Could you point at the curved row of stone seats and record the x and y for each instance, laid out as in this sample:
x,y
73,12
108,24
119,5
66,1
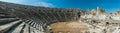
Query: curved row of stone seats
x,y
14,25
31,19
47,16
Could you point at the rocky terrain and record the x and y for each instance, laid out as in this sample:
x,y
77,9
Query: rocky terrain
x,y
101,22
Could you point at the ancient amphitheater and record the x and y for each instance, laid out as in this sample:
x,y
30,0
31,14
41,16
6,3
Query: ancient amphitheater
x,y
15,18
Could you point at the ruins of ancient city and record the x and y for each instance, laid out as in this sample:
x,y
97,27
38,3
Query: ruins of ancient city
x,y
15,18
98,21
93,21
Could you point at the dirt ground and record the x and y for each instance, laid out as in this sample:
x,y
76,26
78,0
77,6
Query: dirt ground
x,y
69,27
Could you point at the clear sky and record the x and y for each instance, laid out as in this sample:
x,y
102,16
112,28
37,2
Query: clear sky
x,y
108,5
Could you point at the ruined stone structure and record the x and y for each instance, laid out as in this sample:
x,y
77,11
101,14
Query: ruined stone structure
x,y
15,18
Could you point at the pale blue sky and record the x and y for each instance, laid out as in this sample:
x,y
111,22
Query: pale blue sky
x,y
108,5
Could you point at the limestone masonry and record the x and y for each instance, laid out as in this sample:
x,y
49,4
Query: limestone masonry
x,y
16,18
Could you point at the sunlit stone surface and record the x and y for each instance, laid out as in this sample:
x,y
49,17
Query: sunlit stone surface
x,y
15,18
